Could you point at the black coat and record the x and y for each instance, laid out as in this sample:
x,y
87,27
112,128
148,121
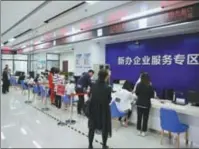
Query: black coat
x,y
5,77
99,109
84,81
144,93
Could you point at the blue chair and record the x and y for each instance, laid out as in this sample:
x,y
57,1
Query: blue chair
x,y
171,123
23,86
66,99
43,92
35,91
115,113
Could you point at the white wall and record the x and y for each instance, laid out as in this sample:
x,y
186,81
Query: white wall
x,y
95,48
68,56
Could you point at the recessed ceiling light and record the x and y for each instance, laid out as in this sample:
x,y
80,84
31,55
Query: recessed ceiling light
x,y
23,46
12,39
92,2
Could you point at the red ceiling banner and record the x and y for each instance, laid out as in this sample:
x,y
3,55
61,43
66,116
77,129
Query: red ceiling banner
x,y
169,3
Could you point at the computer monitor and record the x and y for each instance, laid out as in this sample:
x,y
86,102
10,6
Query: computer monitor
x,y
193,97
168,94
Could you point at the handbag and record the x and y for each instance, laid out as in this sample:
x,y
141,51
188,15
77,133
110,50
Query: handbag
x,y
87,108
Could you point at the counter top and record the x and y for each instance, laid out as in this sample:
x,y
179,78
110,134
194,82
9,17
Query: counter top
x,y
184,109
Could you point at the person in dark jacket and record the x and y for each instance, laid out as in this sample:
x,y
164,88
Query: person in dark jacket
x,y
5,80
144,92
99,109
21,78
82,84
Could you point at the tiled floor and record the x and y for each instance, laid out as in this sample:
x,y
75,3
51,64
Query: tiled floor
x,y
26,126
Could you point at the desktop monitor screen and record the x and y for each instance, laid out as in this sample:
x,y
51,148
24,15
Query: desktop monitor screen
x,y
193,97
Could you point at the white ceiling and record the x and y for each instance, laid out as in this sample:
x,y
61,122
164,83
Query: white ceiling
x,y
177,29
87,16
36,20
13,11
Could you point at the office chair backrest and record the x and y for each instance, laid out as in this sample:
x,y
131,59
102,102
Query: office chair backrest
x,y
169,119
115,113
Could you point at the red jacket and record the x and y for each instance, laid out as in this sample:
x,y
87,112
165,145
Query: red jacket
x,y
50,81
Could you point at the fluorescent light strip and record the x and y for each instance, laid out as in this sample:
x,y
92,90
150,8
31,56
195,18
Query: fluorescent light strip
x,y
2,136
141,14
23,131
92,2
36,144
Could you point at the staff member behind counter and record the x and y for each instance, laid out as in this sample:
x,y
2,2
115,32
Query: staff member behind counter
x,y
82,85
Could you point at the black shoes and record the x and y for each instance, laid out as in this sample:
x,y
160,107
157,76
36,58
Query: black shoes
x,y
90,147
105,147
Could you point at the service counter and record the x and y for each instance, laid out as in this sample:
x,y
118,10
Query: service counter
x,y
187,114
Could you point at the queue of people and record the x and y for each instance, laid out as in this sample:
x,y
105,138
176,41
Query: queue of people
x,y
97,107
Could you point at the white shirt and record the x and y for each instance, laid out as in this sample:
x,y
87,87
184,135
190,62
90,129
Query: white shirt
x,y
126,99
138,81
30,81
70,88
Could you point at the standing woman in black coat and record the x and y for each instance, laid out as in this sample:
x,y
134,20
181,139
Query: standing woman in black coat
x,y
5,81
99,109
144,92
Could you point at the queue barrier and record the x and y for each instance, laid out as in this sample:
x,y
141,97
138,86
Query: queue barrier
x,y
71,121
43,88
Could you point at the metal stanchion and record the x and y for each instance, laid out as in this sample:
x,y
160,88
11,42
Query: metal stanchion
x,y
70,120
28,101
45,99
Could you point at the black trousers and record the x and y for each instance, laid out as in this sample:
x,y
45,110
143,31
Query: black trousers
x,y
91,134
129,112
58,101
5,87
142,118
80,104
8,86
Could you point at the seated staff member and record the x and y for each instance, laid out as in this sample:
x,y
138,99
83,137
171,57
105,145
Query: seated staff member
x,y
124,100
57,79
144,92
82,84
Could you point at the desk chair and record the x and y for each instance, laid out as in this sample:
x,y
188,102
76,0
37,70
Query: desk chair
x,y
35,91
23,86
171,123
115,113
43,92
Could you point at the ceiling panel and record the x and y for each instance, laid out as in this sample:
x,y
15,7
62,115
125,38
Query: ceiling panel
x,y
13,11
175,29
38,18
74,16
105,18
183,28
